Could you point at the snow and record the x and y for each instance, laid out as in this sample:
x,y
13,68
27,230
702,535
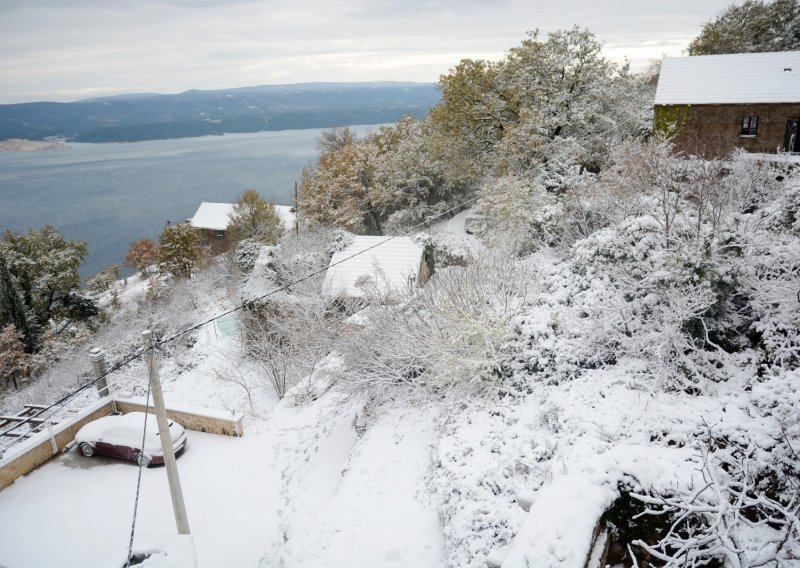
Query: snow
x,y
730,79
214,216
177,407
385,262
559,527
163,551
454,228
380,513
287,215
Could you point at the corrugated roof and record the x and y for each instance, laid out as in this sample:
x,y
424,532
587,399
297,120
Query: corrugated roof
x,y
215,216
390,264
730,79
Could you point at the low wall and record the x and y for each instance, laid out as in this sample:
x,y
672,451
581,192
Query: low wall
x,y
42,451
192,418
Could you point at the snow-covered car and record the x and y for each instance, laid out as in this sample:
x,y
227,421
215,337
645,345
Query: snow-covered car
x,y
120,436
472,221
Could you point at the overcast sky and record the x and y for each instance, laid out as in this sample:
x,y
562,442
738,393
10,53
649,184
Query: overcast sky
x,y
62,50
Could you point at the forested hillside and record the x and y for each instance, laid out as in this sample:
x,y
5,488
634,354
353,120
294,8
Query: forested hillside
x,y
130,118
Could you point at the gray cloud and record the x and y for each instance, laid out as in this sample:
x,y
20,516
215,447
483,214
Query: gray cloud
x,y
56,50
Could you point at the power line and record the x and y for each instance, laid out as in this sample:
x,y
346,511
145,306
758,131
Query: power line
x,y
250,303
66,398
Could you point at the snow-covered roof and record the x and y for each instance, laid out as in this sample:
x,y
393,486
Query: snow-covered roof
x,y
385,261
214,216
730,79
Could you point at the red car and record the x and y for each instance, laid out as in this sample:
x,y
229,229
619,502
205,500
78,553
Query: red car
x,y
120,436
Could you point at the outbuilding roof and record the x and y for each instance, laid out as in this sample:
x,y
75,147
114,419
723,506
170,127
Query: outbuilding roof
x,y
215,216
739,78
388,262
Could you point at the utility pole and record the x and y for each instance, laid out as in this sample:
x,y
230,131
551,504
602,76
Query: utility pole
x,y
181,520
296,212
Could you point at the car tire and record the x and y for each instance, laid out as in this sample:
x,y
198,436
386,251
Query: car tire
x,y
143,460
87,449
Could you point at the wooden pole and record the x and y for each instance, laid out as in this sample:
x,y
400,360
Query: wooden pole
x,y
178,506
296,212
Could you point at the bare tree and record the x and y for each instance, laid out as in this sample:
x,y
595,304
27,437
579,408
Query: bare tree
x,y
335,138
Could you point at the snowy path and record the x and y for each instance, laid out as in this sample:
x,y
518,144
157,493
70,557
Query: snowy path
x,y
369,508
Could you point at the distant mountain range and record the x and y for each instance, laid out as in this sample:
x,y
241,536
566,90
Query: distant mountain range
x,y
145,116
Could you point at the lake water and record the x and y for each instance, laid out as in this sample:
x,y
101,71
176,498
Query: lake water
x,y
112,194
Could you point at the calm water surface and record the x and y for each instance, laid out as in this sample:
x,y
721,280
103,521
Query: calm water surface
x,y
112,194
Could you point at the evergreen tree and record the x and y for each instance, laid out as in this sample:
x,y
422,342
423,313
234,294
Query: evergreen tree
x,y
13,310
13,359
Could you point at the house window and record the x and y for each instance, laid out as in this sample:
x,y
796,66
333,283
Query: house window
x,y
204,233
750,126
220,235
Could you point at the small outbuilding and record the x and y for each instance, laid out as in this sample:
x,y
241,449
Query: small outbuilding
x,y
380,264
713,104
211,222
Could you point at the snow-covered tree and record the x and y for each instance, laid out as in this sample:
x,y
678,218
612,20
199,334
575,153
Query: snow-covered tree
x,y
254,218
103,280
14,311
413,182
339,190
45,266
751,27
179,250
517,211
543,107
142,255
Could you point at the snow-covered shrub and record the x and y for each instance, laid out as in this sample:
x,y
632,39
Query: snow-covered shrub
x,y
246,253
774,294
289,336
448,249
488,455
517,211
456,332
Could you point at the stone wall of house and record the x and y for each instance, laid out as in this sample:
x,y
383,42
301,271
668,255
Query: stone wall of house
x,y
208,238
716,130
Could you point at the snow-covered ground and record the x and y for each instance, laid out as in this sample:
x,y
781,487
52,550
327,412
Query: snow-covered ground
x,y
301,488
422,485
446,480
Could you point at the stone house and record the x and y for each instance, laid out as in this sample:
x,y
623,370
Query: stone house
x,y
211,223
712,104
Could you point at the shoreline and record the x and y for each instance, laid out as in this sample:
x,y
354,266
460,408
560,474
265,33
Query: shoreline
x,y
24,145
